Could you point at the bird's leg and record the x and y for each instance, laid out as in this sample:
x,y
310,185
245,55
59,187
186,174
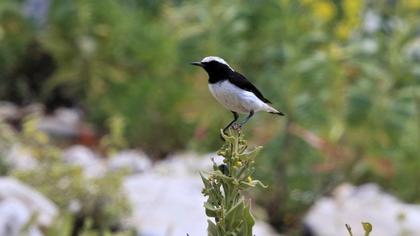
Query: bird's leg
x,y
251,113
235,118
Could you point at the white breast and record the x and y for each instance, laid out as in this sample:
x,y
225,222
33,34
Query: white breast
x,y
236,99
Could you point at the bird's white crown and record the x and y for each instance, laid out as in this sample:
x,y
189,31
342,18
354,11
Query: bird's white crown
x,y
214,58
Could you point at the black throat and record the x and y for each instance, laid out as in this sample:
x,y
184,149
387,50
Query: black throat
x,y
217,72
217,77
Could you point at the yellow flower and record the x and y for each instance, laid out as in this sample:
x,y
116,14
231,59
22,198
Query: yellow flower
x,y
353,9
324,10
352,12
249,179
412,4
30,126
343,31
41,137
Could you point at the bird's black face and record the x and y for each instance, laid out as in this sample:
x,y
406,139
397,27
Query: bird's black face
x,y
214,68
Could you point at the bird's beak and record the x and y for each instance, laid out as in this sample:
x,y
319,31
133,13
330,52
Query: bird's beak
x,y
197,63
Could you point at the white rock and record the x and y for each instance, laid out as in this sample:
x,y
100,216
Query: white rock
x,y
64,122
8,110
14,216
189,164
262,229
367,203
167,200
166,205
84,157
134,161
35,202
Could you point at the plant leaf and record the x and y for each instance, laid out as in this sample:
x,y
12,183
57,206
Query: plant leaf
x,y
367,227
212,229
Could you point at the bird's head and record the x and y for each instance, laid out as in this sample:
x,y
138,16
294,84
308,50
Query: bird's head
x,y
214,65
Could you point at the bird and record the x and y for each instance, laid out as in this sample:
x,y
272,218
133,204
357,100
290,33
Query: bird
x,y
234,91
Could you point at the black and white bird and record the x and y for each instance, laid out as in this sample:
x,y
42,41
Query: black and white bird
x,y
233,90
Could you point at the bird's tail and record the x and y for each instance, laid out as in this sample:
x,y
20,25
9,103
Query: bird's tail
x,y
272,110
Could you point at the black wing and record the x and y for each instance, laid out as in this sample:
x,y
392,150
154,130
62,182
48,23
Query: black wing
x,y
240,81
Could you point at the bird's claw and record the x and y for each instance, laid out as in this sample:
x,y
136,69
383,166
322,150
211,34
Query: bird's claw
x,y
237,126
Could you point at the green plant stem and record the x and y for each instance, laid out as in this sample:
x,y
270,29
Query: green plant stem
x,y
224,187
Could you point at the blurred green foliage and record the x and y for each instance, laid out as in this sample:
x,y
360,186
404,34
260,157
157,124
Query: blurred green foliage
x,y
7,137
64,223
115,139
96,204
345,72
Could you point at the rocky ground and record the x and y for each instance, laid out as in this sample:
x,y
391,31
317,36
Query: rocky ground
x,y
166,200
165,197
366,203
